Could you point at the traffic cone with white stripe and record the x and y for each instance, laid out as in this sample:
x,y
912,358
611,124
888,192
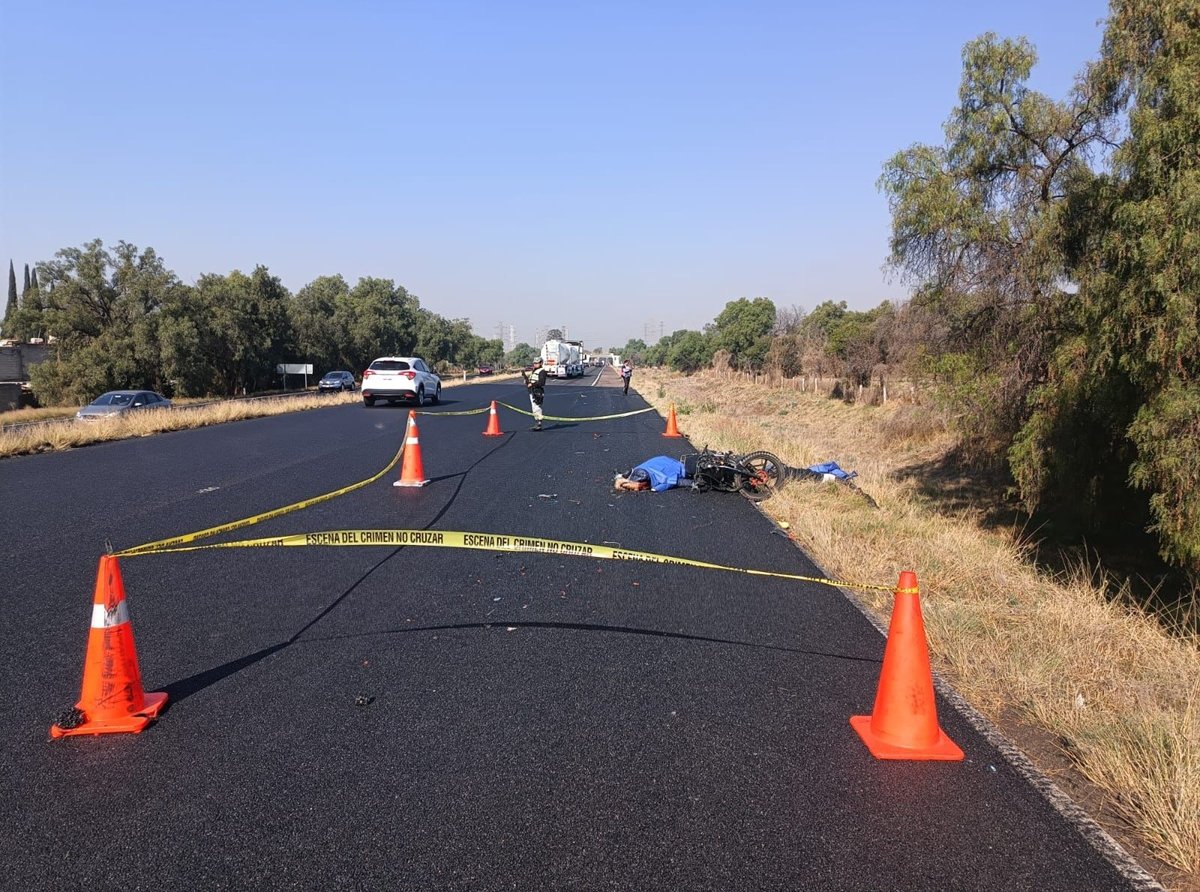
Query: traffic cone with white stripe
x,y
112,700
904,723
412,472
493,428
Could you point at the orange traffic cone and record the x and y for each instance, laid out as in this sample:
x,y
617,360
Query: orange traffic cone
x,y
672,430
493,428
412,472
904,722
112,699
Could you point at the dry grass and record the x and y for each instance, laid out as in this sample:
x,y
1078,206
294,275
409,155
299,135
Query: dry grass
x,y
69,433
1120,693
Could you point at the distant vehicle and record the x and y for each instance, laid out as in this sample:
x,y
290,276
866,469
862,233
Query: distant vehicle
x,y
399,379
562,359
485,370
121,402
338,381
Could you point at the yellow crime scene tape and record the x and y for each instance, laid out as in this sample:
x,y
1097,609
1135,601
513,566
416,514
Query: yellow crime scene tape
x,y
316,500
445,538
486,542
572,418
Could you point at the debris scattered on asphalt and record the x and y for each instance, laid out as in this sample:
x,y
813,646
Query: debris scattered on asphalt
x,y
363,700
547,495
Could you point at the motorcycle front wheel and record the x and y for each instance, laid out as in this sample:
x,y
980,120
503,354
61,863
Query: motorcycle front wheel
x,y
766,473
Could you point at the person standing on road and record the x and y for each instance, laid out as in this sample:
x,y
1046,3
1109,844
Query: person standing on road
x,y
626,374
535,383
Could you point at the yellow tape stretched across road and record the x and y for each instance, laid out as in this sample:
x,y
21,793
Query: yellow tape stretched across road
x,y
162,544
571,418
484,542
250,521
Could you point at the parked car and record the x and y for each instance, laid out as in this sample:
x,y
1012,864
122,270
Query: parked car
x,y
400,379
485,370
338,381
122,402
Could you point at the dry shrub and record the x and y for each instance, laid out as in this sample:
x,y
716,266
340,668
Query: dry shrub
x,y
912,422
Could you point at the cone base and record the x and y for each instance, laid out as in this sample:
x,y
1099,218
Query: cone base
x,y
672,435
941,750
410,483
493,433
126,724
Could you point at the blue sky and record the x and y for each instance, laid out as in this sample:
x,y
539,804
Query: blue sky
x,y
614,167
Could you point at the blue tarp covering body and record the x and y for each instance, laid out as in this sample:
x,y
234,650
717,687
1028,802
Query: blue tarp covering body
x,y
832,467
663,472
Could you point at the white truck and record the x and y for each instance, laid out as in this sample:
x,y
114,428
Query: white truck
x,y
563,359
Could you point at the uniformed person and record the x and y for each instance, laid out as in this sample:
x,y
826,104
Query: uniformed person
x,y
535,383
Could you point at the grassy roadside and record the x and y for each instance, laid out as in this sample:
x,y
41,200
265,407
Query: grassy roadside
x,y
1114,697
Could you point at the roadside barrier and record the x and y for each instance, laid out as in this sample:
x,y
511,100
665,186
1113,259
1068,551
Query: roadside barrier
x,y
904,724
111,700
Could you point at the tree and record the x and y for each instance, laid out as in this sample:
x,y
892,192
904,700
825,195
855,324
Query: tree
x,y
11,306
634,350
104,309
689,352
554,334
521,355
25,290
33,281
743,329
247,331
976,224
378,318
318,326
1126,379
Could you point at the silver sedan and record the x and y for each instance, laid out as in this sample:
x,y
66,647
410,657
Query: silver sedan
x,y
120,402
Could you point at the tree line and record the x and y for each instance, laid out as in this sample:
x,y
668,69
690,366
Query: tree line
x,y
120,318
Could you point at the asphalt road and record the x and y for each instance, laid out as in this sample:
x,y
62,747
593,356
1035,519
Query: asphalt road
x,y
530,721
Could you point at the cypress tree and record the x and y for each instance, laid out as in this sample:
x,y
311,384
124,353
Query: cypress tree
x,y
25,290
33,282
11,306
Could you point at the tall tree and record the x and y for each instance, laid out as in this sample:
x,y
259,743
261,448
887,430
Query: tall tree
x,y
243,328
103,309
975,225
11,306
1129,378
743,329
25,290
320,335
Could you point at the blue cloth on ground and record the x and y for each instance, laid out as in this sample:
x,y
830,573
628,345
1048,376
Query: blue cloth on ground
x,y
831,467
663,472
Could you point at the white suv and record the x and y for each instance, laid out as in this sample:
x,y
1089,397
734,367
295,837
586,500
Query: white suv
x,y
397,378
